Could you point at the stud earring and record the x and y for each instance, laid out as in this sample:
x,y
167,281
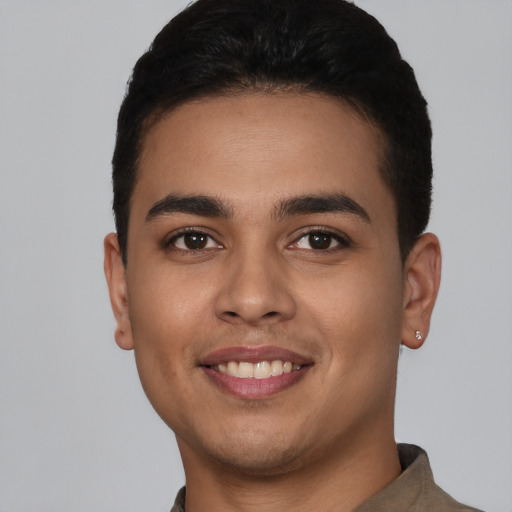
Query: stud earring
x,y
418,335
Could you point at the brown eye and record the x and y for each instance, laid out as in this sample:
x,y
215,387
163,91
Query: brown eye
x,y
320,241
194,241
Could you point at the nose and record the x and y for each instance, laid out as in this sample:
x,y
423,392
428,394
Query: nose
x,y
255,291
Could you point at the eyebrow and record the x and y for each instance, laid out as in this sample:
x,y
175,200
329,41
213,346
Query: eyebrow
x,y
323,203
203,206
206,206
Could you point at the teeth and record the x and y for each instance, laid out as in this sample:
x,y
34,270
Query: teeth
x,y
245,370
260,370
232,368
276,368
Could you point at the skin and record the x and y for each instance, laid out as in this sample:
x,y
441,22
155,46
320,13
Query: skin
x,y
326,442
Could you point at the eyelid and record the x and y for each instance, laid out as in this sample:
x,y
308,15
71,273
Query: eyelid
x,y
167,242
343,239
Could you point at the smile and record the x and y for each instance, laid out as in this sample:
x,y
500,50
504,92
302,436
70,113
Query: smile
x,y
259,370
255,373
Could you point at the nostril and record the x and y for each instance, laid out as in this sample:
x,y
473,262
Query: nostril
x,y
270,314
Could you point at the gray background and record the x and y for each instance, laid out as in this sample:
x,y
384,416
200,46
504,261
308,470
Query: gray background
x,y
76,431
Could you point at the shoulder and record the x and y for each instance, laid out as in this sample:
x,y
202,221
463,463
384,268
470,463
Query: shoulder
x,y
441,501
414,490
430,496
179,503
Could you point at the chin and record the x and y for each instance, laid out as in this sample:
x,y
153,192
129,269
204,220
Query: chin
x,y
257,453
270,462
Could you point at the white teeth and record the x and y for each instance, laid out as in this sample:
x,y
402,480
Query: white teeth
x,y
245,370
260,370
276,368
232,369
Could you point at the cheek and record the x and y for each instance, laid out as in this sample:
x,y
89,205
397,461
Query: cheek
x,y
165,326
167,303
166,316
359,320
359,312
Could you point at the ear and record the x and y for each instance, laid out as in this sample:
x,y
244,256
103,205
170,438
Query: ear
x,y
422,277
116,280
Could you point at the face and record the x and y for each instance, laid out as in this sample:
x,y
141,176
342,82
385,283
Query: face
x,y
264,293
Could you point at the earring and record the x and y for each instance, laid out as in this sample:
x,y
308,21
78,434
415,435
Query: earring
x,y
418,335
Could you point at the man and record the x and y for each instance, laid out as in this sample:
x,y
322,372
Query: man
x,y
272,180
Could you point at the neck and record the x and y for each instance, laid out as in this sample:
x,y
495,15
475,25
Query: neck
x,y
331,482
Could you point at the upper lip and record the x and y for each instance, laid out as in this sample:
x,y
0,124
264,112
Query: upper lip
x,y
253,355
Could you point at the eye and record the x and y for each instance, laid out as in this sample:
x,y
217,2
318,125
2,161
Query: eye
x,y
319,240
194,241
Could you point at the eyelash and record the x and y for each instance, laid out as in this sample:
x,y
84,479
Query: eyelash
x,y
170,243
342,240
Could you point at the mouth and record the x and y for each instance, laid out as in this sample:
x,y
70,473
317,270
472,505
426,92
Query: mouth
x,y
260,370
255,373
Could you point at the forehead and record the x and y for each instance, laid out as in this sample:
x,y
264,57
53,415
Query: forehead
x,y
254,149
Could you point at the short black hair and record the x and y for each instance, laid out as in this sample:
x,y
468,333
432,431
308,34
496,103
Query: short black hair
x,y
332,47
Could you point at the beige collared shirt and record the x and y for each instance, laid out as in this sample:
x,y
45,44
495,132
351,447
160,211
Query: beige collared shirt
x,y
413,491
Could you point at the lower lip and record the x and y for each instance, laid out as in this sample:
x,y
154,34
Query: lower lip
x,y
254,389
